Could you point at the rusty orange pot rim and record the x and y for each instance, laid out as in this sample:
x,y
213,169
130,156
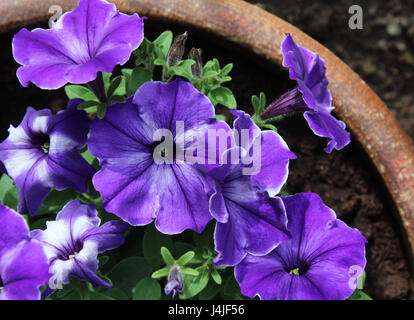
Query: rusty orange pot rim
x,y
368,118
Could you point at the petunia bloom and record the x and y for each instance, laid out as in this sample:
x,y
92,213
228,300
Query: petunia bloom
x,y
322,261
42,152
23,263
175,282
73,242
248,219
311,96
93,38
135,185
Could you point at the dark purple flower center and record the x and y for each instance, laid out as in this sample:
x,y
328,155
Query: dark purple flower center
x,y
42,142
67,253
164,152
298,270
1,284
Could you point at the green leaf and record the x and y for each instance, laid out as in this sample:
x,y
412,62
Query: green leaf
x,y
126,274
194,285
160,273
117,99
88,156
115,83
87,104
221,117
226,70
76,91
5,185
55,201
147,289
183,69
11,199
224,96
190,272
103,260
166,255
181,247
185,258
210,292
101,110
151,245
205,238
116,293
359,295
361,280
231,289
164,41
134,78
216,276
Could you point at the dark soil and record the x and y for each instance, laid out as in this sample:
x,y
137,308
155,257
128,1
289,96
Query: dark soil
x,y
345,180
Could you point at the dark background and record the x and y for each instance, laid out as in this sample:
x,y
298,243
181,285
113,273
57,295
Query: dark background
x,y
382,53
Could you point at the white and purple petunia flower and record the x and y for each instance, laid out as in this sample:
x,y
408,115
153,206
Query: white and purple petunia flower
x,y
42,152
248,219
23,263
312,95
72,243
133,184
322,261
93,38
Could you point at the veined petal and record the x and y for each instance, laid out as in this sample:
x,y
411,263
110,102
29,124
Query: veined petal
x,y
325,125
93,38
323,260
256,223
163,104
14,228
23,269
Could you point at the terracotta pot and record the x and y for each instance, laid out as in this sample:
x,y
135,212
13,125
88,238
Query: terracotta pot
x,y
369,119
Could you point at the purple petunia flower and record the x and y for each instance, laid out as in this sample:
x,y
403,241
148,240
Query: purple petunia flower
x,y
135,186
322,261
23,263
175,282
73,241
248,219
312,95
42,152
93,38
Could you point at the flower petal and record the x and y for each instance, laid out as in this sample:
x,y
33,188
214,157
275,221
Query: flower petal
x,y
92,38
164,104
23,270
325,125
109,236
13,228
256,223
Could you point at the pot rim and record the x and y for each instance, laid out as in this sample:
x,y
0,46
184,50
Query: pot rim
x,y
387,145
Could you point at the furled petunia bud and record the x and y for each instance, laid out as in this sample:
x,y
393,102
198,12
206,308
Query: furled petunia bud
x,y
197,67
177,49
175,282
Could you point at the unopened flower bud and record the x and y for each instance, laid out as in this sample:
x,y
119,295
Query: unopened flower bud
x,y
176,52
197,67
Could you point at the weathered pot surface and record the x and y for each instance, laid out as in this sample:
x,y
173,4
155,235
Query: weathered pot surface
x,y
369,119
